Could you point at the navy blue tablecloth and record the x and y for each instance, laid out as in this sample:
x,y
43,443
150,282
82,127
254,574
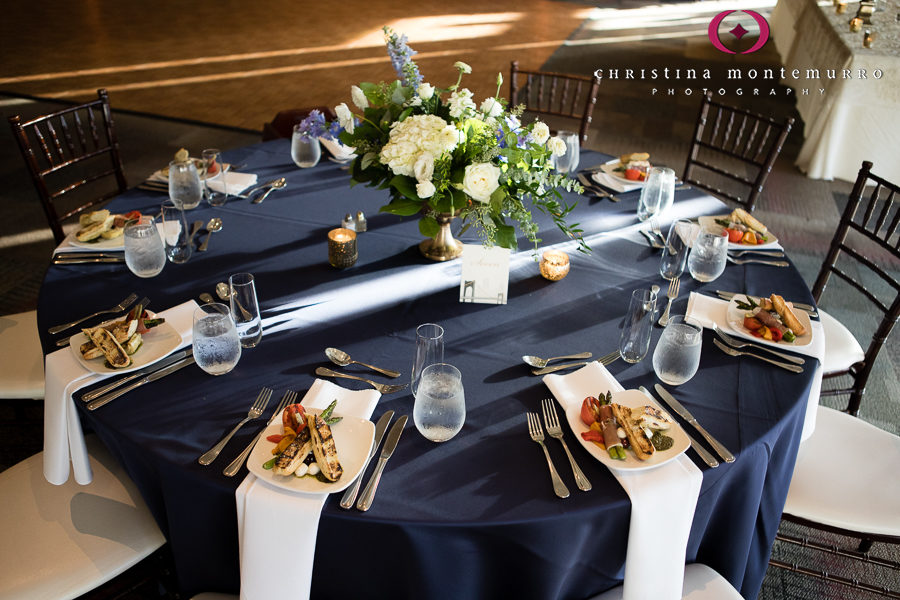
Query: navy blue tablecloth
x,y
474,517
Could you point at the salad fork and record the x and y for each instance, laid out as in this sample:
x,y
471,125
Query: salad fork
x,y
537,434
555,431
256,409
288,398
654,226
745,261
734,343
671,294
731,351
117,308
604,360
772,253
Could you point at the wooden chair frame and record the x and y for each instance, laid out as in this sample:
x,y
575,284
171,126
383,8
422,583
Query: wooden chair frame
x,y
556,94
66,138
736,134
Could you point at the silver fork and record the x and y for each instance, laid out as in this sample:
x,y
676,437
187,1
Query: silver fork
x,y
555,431
772,253
117,308
735,343
654,226
381,387
537,435
651,239
731,351
604,360
671,294
288,398
748,261
256,409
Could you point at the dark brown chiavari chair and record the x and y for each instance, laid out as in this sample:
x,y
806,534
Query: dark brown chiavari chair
x,y
733,148
73,158
555,94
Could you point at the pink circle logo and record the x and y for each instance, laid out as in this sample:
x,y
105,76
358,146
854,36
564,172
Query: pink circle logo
x,y
738,31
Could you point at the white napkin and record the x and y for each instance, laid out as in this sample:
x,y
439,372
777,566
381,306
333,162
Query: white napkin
x,y
612,183
663,500
116,245
706,311
63,376
339,151
236,182
273,522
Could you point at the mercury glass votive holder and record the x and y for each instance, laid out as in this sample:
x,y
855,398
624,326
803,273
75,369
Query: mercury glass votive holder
x,y
840,8
855,24
342,251
554,265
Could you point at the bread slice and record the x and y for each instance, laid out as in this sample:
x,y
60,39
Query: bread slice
x,y
741,215
95,229
634,156
787,315
640,443
107,343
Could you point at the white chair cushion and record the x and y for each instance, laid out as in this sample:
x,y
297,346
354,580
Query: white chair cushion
x,y
841,348
22,367
700,583
60,542
846,476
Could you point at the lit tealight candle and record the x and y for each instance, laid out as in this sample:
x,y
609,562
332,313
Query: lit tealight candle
x,y
868,38
855,24
554,265
840,8
342,251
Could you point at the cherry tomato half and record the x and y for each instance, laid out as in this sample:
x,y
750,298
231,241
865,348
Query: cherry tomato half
x,y
633,174
734,236
590,410
752,323
294,416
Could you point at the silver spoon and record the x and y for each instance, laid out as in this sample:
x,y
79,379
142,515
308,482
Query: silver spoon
x,y
195,229
538,362
276,185
214,225
223,291
342,359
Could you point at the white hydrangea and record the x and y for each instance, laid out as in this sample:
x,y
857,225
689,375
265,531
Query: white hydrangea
x,y
413,136
460,103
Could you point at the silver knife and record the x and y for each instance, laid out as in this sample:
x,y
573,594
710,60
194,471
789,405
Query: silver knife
x,y
171,359
700,450
102,400
85,261
380,427
804,307
76,255
687,416
393,437
594,188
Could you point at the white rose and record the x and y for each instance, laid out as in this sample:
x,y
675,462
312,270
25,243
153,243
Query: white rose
x,y
480,181
557,146
491,107
425,189
358,97
540,133
424,167
425,91
463,67
345,117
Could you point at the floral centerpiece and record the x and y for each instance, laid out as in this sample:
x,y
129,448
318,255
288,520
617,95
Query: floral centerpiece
x,y
442,156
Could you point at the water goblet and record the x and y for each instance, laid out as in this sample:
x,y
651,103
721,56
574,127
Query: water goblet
x,y
635,339
245,309
305,150
440,405
212,169
184,184
675,251
175,233
658,193
568,162
677,354
217,349
145,255
429,350
708,255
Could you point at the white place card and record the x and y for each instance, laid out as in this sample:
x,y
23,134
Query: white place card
x,y
485,275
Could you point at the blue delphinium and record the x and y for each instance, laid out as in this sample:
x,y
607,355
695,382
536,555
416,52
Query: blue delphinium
x,y
401,58
314,126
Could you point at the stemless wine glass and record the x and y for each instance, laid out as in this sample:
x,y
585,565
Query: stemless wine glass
x,y
675,252
145,255
429,350
568,162
440,406
708,255
677,355
635,340
658,192
175,232
217,349
305,150
184,184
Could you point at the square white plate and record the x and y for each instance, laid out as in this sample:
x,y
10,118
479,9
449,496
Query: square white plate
x,y
157,344
735,318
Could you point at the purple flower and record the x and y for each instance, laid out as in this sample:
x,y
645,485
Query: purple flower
x,y
401,58
314,126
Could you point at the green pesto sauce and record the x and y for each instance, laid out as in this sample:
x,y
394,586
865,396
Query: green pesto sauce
x,y
661,441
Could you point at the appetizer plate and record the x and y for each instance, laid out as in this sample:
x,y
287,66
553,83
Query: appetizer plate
x,y
631,399
353,439
710,224
735,318
157,344
114,244
610,169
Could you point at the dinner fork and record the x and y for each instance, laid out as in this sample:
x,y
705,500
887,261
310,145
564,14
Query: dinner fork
x,y
381,387
654,243
537,435
288,398
671,294
745,261
731,351
654,226
772,253
256,409
604,360
117,308
734,343
555,431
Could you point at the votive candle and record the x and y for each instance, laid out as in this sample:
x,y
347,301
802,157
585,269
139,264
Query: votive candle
x,y
554,265
342,251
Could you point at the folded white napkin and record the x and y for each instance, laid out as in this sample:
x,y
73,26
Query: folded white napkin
x,y
663,500
706,310
235,182
116,245
63,376
273,522
614,184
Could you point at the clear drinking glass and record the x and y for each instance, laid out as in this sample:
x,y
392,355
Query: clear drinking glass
x,y
658,192
677,355
440,407
145,255
304,150
216,346
635,340
568,162
245,309
708,255
175,233
184,184
429,350
675,252
212,170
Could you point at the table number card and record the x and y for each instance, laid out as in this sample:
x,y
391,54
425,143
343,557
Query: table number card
x,y
485,275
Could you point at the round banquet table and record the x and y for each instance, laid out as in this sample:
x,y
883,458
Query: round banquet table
x,y
474,517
